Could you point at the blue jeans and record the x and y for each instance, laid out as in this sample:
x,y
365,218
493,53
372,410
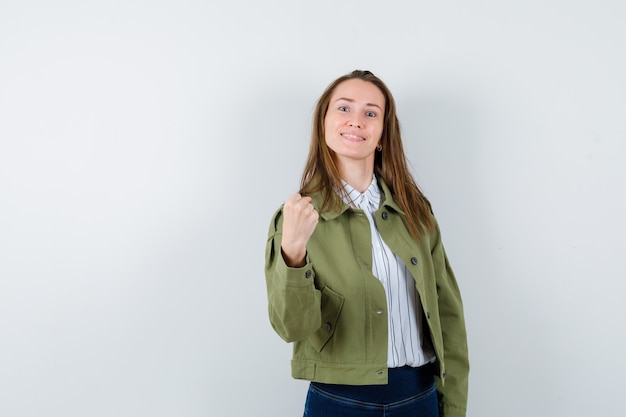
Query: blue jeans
x,y
410,393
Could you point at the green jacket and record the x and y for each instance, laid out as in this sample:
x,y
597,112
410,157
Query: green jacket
x,y
335,310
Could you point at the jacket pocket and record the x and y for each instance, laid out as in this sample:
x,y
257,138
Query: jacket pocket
x,y
331,308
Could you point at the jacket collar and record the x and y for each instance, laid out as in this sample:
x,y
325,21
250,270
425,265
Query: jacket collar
x,y
318,198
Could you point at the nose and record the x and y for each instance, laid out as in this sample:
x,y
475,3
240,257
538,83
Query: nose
x,y
355,122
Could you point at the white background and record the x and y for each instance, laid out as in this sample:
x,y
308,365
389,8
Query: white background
x,y
144,146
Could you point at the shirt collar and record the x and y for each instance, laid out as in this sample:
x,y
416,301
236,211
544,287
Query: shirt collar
x,y
386,197
368,200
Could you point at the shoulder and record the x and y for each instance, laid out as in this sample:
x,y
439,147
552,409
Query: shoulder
x,y
276,223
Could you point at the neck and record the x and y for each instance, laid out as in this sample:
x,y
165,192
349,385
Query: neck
x,y
359,176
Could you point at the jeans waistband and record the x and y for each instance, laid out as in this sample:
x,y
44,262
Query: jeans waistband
x,y
404,382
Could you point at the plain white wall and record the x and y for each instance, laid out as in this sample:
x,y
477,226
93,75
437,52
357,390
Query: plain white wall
x,y
144,146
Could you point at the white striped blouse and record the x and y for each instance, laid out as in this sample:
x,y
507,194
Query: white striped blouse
x,y
406,341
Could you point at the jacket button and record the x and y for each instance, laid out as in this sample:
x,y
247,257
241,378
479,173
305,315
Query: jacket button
x,y
428,314
308,273
385,215
445,373
327,327
414,260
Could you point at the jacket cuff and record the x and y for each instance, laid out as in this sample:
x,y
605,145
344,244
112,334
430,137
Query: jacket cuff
x,y
448,410
299,276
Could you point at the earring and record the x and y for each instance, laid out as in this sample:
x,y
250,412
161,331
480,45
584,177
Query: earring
x,y
379,148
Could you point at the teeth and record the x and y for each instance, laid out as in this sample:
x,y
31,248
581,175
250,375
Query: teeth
x,y
351,136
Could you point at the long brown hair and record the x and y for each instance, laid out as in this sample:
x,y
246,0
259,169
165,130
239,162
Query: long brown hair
x,y
321,173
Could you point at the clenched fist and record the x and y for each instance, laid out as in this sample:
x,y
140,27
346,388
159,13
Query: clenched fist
x,y
299,221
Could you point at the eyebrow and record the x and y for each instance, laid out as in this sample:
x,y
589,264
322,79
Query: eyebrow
x,y
352,101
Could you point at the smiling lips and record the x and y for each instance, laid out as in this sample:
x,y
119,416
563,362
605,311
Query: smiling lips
x,y
352,138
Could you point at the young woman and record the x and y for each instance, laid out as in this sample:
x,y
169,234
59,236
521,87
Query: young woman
x,y
357,276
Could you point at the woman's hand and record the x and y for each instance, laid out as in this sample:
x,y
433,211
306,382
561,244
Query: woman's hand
x,y
299,221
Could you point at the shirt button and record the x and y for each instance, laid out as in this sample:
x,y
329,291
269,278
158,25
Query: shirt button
x,y
308,273
327,327
385,215
414,260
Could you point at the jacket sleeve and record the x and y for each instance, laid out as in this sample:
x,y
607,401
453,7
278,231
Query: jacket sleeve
x,y
453,386
294,303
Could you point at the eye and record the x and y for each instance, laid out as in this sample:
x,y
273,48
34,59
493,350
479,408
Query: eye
x,y
343,108
370,114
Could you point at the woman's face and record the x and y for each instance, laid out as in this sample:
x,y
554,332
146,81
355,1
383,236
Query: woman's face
x,y
354,121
